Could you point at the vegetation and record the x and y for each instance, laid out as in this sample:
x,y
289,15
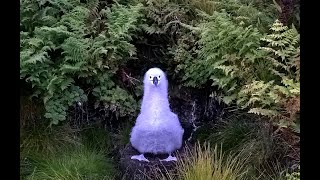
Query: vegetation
x,y
207,163
59,153
210,164
251,137
70,46
247,73
87,57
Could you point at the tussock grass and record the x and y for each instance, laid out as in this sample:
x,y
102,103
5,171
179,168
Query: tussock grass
x,y
74,163
210,163
204,162
253,140
65,153
45,140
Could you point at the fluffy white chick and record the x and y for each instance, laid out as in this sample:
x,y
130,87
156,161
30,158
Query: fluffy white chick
x,y
157,129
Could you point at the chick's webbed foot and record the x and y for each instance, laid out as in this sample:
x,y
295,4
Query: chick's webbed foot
x,y
140,157
170,158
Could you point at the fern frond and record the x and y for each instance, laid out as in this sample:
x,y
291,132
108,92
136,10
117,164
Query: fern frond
x,y
67,68
51,31
75,20
278,26
75,50
265,112
36,58
66,83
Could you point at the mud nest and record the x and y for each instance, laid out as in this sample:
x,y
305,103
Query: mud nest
x,y
134,169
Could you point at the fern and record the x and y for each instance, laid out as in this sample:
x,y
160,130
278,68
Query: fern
x,y
216,58
68,45
283,49
76,50
57,54
161,14
230,55
121,21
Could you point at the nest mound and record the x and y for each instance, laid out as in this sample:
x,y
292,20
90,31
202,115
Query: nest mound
x,y
134,169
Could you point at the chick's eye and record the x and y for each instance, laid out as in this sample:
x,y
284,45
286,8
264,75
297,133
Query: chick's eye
x,y
150,77
159,77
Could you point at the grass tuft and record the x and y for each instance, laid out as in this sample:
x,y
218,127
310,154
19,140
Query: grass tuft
x,y
66,154
204,162
252,139
74,163
210,163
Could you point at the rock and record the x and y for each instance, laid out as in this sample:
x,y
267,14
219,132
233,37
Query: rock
x,y
134,169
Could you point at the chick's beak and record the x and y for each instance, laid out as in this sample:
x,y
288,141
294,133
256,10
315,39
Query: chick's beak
x,y
155,81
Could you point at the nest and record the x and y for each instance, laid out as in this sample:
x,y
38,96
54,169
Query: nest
x,y
134,169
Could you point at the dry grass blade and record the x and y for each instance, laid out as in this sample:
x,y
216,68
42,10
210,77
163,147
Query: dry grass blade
x,y
206,163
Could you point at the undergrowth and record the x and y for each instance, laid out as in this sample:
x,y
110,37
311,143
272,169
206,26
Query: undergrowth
x,y
205,162
210,163
68,46
63,153
252,138
73,163
122,136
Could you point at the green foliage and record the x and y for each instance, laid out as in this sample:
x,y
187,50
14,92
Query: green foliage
x,y
60,54
259,13
61,152
44,140
218,57
255,71
40,141
244,135
66,46
251,138
283,50
207,6
56,107
97,138
279,98
229,50
114,98
79,163
159,14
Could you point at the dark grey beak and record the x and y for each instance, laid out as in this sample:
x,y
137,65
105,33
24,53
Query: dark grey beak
x,y
155,81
